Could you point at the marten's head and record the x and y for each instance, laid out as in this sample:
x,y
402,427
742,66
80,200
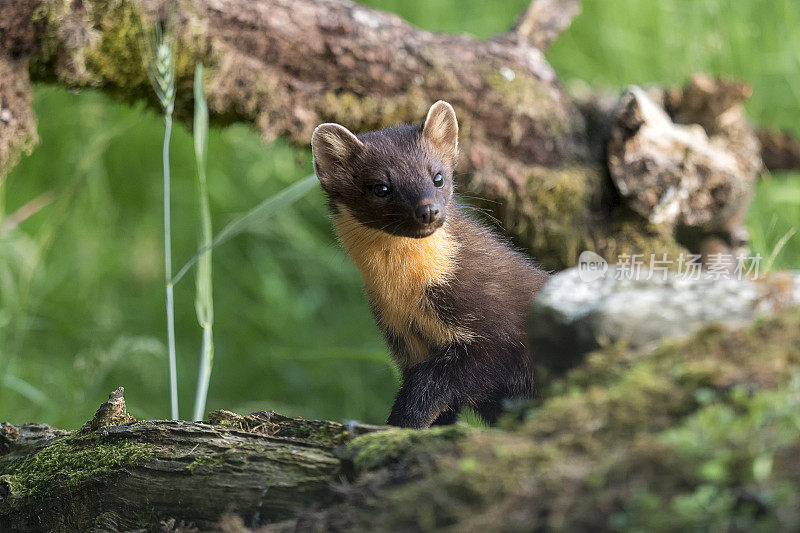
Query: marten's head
x,y
397,180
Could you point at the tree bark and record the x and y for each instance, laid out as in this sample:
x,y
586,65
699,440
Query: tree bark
x,y
117,474
527,148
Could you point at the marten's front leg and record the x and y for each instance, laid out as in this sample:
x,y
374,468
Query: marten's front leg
x,y
447,417
438,386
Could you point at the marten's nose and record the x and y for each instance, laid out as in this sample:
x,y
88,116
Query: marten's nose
x,y
427,213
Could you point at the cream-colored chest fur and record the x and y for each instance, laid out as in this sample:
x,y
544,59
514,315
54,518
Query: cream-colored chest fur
x,y
396,272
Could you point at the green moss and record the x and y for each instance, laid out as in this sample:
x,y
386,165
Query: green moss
x,y
315,432
383,447
738,467
69,461
630,234
149,519
363,113
699,423
205,463
699,434
532,97
558,212
48,12
325,434
225,418
554,220
117,57
550,216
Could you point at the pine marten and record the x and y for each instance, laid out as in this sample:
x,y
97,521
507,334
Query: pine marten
x,y
450,296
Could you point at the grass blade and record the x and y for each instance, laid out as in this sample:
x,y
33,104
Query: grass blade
x,y
24,388
778,247
254,218
204,301
173,366
161,73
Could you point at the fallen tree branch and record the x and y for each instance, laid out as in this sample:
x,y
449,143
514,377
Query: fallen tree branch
x,y
288,65
120,473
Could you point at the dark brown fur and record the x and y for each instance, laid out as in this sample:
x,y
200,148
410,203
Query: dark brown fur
x,y
450,296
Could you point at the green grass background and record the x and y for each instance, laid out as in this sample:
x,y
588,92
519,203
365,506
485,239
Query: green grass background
x,y
81,295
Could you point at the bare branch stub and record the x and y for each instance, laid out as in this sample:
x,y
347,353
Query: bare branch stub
x,y
545,20
112,412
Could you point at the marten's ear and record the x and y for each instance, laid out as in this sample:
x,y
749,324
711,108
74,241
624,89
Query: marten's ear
x,y
333,147
441,128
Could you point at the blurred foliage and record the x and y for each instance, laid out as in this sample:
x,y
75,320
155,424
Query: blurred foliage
x,y
291,318
618,42
81,300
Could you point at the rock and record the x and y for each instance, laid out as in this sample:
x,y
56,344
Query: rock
x,y
572,316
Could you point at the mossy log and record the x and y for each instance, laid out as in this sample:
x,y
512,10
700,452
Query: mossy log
x,y
701,434
535,154
116,473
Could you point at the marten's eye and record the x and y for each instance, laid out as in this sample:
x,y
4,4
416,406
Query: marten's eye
x,y
438,180
381,191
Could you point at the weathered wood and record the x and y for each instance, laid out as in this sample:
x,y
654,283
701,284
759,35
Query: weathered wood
x,y
675,174
264,467
780,150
